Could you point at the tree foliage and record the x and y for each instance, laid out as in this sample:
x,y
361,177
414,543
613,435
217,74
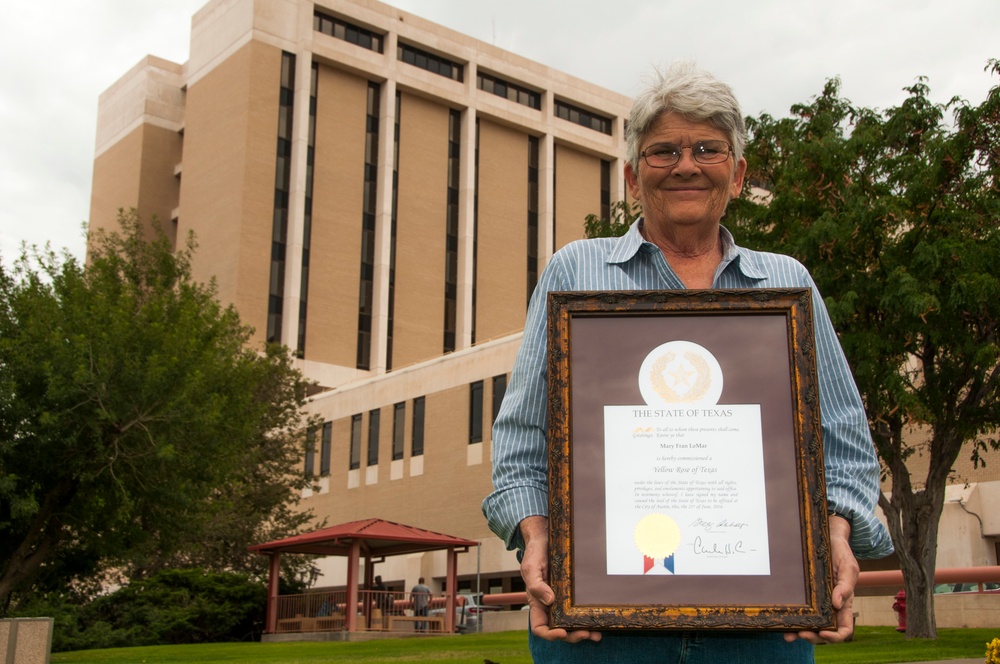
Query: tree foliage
x,y
176,606
895,214
138,428
622,215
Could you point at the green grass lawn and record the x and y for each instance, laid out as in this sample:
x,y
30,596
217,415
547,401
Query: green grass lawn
x,y
872,645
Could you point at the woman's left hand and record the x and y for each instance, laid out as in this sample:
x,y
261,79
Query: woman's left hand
x,y
845,578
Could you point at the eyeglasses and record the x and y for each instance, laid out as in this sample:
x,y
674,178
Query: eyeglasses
x,y
663,155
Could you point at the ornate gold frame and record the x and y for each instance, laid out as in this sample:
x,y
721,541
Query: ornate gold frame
x,y
590,347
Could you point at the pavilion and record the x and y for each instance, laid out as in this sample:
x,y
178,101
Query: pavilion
x,y
374,540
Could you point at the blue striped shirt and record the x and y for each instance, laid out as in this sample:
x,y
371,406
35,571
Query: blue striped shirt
x,y
520,478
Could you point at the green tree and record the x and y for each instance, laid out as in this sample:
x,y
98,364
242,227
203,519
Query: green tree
x,y
623,213
895,214
138,428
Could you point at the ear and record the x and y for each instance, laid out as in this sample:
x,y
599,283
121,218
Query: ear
x,y
632,180
738,175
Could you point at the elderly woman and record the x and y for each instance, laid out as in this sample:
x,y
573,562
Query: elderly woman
x,y
685,163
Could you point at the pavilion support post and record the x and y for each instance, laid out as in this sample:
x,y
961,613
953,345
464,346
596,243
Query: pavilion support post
x,y
369,584
449,613
273,579
353,564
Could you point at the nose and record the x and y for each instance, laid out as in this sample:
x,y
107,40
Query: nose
x,y
686,165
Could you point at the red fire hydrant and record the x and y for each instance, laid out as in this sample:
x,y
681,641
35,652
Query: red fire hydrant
x,y
899,606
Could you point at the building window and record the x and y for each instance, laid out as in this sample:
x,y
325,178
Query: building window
x,y
605,189
512,91
398,430
476,412
355,461
451,241
324,449
435,64
555,199
417,437
499,390
373,430
341,29
307,220
310,449
392,239
532,216
366,288
475,236
583,117
282,186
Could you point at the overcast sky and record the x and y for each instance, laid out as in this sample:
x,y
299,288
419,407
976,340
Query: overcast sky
x,y
57,56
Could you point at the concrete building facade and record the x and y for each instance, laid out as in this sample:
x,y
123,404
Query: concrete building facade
x,y
379,194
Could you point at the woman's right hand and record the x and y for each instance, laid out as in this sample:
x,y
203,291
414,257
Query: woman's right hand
x,y
535,572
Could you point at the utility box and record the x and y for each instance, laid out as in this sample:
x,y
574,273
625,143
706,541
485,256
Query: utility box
x,y
25,640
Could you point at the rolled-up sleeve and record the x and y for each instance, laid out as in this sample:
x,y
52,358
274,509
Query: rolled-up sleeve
x,y
520,461
852,468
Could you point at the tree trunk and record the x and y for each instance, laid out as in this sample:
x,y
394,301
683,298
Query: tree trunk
x,y
914,518
920,539
38,544
25,561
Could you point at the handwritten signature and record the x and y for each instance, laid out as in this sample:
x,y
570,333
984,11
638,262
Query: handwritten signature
x,y
717,548
716,526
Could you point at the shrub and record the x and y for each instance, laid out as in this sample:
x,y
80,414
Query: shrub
x,y
171,607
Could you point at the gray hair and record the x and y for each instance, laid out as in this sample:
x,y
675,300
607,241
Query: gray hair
x,y
688,91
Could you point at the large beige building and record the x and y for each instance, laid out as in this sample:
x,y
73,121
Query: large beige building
x,y
380,193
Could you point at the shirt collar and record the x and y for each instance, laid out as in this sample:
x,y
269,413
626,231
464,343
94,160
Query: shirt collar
x,y
630,244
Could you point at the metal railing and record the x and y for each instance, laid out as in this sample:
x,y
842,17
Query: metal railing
x,y
376,610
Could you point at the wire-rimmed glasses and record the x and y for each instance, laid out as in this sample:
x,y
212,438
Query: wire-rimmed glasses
x,y
664,155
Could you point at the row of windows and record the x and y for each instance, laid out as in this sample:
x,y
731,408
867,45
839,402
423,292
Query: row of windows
x,y
366,285
300,348
476,406
282,185
435,64
499,384
394,219
341,29
512,91
438,64
532,280
451,230
374,430
583,117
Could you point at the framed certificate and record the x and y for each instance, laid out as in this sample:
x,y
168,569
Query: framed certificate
x,y
686,477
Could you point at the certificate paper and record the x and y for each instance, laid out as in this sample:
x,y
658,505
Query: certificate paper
x,y
685,490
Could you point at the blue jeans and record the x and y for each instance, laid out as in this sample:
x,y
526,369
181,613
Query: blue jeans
x,y
679,648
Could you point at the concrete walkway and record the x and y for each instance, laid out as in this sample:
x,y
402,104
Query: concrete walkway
x,y
974,660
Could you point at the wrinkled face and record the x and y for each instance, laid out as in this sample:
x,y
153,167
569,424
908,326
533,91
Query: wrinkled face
x,y
689,193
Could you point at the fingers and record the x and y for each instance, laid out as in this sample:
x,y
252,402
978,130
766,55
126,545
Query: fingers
x,y
540,627
535,572
540,598
846,576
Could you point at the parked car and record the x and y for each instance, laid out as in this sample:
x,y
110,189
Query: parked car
x,y
988,587
467,611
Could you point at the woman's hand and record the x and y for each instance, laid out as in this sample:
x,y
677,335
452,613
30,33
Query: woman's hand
x,y
535,572
845,578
